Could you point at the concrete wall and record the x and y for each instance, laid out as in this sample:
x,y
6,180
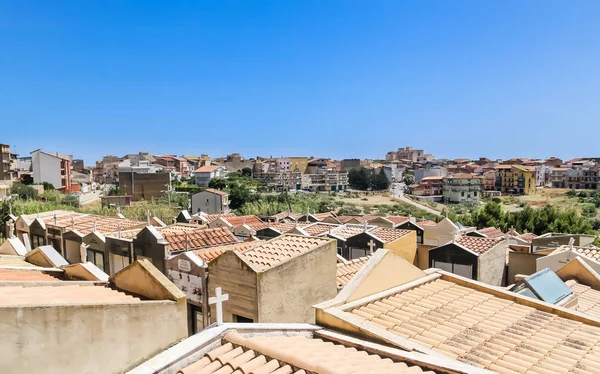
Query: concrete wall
x,y
207,202
557,261
491,265
521,263
87,339
287,292
237,280
46,168
405,247
144,186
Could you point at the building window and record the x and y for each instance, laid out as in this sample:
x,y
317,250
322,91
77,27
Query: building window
x,y
462,193
242,319
475,194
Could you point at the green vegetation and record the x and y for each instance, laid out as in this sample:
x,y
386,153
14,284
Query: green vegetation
x,y
539,221
25,192
362,180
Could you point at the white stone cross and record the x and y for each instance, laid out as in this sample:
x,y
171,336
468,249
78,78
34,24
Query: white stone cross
x,y
371,244
218,300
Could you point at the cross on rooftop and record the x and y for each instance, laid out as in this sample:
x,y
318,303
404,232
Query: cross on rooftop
x,y
372,245
218,300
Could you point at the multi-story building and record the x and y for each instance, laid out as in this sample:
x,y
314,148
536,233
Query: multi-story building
x,y
8,163
280,181
580,178
489,180
52,168
428,186
350,164
516,179
204,174
107,170
408,153
325,182
430,171
462,188
558,177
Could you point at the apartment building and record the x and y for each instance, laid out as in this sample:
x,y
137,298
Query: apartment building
x,y
8,163
462,188
577,178
52,168
516,179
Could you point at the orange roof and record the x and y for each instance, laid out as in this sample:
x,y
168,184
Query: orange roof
x,y
345,232
461,176
318,228
284,227
68,294
85,223
199,238
218,192
252,221
477,245
361,218
481,326
491,232
25,275
281,249
209,254
206,169
347,270
293,354
211,217
389,235
426,222
397,219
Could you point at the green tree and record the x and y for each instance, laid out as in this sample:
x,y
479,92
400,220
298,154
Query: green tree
x,y
24,192
217,183
358,179
247,172
408,179
379,181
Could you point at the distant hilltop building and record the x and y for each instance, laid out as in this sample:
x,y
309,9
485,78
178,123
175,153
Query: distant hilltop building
x,y
409,154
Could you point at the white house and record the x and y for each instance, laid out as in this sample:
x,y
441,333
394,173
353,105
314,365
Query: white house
x,y
204,174
210,201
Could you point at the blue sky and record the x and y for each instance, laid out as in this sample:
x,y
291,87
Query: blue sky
x,y
318,78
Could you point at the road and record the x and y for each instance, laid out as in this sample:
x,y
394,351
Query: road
x,y
90,197
398,193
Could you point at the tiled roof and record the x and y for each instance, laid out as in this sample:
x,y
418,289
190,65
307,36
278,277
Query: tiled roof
x,y
477,245
389,235
178,227
426,222
360,218
528,236
252,221
15,261
292,354
48,295
461,176
209,254
25,275
318,228
346,231
199,238
211,217
284,227
593,253
483,330
85,223
491,232
283,215
397,219
588,299
206,169
281,249
215,191
322,216
347,270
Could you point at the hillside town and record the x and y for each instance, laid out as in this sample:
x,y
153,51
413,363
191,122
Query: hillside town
x,y
156,263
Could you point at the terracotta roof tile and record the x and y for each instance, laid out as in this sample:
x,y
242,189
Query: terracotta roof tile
x,y
477,245
57,295
347,270
217,192
588,299
347,231
426,222
199,238
528,236
209,254
486,331
251,221
284,227
389,235
593,253
317,229
206,169
359,218
281,249
397,219
211,217
491,232
25,275
292,354
85,223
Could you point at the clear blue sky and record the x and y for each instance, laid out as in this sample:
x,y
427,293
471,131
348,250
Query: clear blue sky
x,y
323,78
